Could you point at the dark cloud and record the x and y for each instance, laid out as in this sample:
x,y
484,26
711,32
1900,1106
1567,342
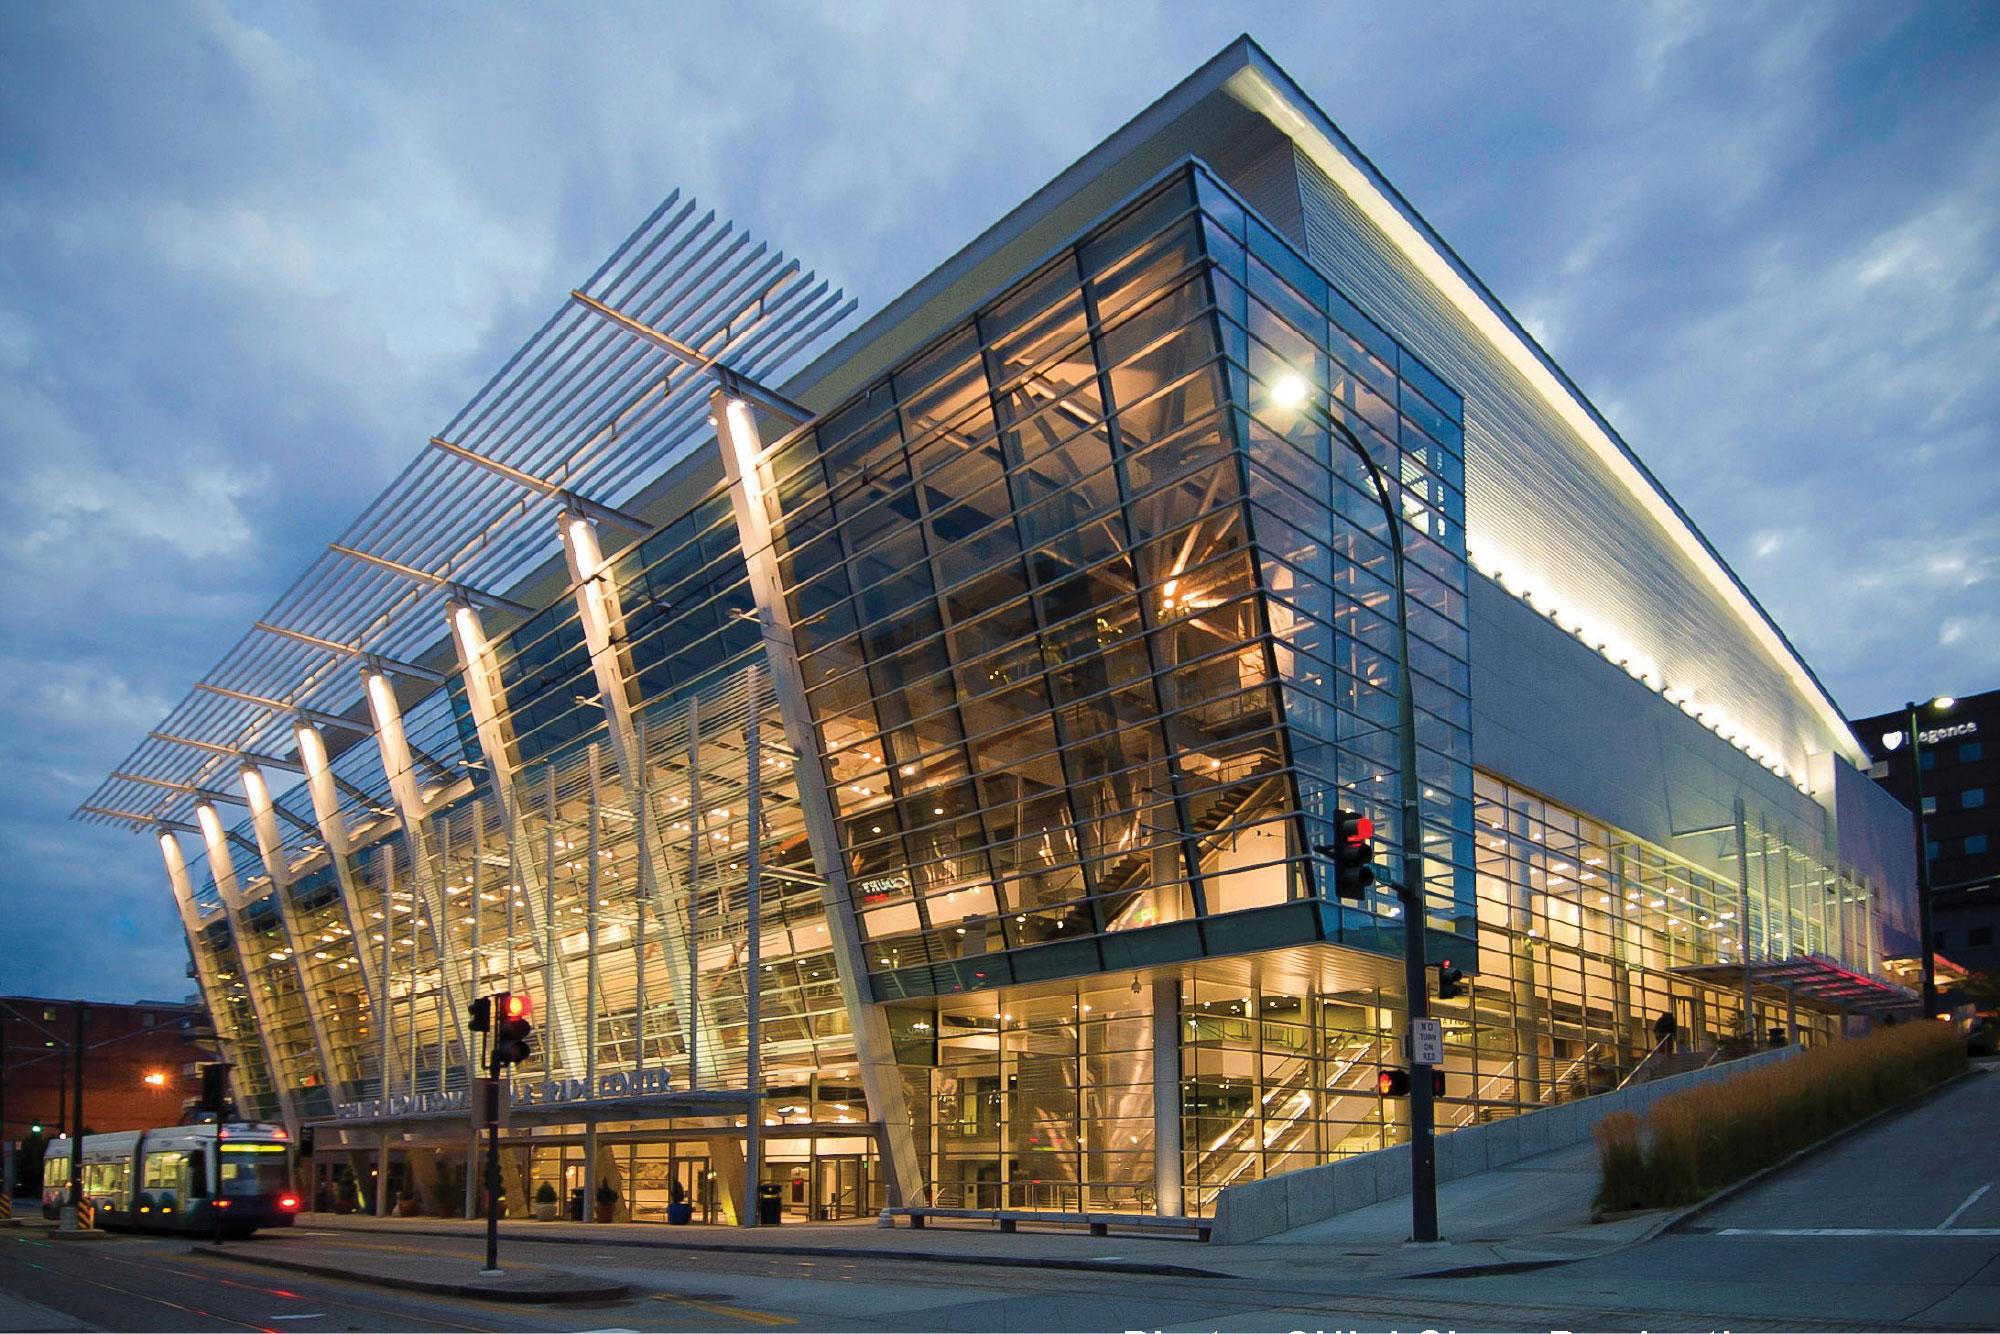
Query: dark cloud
x,y
250,256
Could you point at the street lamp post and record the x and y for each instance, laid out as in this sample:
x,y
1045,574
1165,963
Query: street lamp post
x,y
1423,1114
1940,704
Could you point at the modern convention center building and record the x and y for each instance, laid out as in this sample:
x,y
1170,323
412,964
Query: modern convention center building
x,y
894,755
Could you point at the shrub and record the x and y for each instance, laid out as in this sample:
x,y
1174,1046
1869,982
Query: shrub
x,y
1622,1153
1695,1142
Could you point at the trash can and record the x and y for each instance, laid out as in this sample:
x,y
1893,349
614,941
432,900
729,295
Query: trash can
x,y
770,1203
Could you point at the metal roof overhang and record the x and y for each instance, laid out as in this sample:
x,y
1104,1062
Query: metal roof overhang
x,y
1815,980
589,416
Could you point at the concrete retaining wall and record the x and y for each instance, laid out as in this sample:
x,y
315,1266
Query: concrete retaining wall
x,y
1258,1209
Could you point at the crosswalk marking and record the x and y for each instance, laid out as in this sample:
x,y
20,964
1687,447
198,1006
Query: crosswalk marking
x,y
1948,1233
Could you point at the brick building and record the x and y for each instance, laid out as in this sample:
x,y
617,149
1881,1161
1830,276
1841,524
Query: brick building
x,y
123,1045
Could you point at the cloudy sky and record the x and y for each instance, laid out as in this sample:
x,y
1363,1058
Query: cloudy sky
x,y
252,255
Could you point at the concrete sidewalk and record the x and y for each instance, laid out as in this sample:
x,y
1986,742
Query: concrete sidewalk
x,y
1532,1213
858,1239
442,1275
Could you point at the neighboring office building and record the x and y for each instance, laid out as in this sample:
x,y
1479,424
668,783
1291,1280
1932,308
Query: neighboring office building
x,y
1961,780
1045,652
123,1045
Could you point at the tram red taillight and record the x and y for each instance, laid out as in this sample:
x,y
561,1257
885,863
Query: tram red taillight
x,y
289,1203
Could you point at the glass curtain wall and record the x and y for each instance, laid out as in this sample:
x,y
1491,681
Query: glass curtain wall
x,y
1079,653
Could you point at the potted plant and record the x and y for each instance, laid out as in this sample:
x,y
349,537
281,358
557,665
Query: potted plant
x,y
607,1202
545,1202
409,1206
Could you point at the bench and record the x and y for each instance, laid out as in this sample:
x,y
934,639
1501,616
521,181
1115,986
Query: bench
x,y
1100,1225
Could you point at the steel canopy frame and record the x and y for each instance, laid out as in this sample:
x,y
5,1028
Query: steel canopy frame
x,y
583,417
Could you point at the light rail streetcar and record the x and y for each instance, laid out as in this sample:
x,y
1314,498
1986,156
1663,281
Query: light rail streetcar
x,y
198,1178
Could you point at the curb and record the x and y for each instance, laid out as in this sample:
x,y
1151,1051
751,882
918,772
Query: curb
x,y
581,1290
1699,1207
1672,1218
837,1253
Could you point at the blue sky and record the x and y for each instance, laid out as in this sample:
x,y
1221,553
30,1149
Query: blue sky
x,y
252,255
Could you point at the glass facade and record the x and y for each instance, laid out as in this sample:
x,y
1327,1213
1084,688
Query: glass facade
x,y
1091,609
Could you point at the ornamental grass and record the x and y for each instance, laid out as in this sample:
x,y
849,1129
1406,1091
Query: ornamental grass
x,y
1693,1143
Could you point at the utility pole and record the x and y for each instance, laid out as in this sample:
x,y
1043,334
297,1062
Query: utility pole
x,y
1926,949
73,1218
6,1141
1913,725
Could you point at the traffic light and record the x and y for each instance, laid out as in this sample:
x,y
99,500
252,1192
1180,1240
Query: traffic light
x,y
1396,1083
35,1128
1451,981
1353,854
511,1034
480,1014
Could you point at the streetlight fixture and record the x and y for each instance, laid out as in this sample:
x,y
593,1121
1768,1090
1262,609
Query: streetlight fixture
x,y
1939,704
156,1079
1291,392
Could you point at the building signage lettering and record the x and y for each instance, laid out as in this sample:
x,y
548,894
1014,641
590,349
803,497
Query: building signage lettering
x,y
1937,734
882,886
578,1090
403,1104
546,1093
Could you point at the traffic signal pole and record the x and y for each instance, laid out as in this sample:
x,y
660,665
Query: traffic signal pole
x,y
1423,1122
492,1113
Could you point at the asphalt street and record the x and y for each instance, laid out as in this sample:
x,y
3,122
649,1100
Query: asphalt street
x,y
1893,1228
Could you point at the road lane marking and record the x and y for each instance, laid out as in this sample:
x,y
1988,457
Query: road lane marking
x,y
1970,1200
1857,1232
729,1312
312,1315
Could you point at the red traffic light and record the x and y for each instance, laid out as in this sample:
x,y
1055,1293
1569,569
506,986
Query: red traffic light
x,y
519,1005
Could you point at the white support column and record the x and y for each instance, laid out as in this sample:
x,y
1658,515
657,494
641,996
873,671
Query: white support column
x,y
340,852
881,1080
487,700
204,972
603,622
1168,1171
277,867
222,865
400,769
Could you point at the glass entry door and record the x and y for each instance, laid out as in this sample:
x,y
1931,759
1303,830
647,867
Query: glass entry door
x,y
837,1191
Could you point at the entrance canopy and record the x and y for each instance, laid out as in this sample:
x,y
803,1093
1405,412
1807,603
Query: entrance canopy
x,y
1813,980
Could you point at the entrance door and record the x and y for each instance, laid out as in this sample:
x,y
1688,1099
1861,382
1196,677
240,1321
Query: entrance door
x,y
837,1191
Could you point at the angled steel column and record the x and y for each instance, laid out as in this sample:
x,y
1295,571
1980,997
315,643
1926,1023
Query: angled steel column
x,y
226,1036
881,1080
271,849
400,769
487,699
340,852
603,621
223,866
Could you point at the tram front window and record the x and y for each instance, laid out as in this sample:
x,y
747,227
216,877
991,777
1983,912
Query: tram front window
x,y
244,1174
